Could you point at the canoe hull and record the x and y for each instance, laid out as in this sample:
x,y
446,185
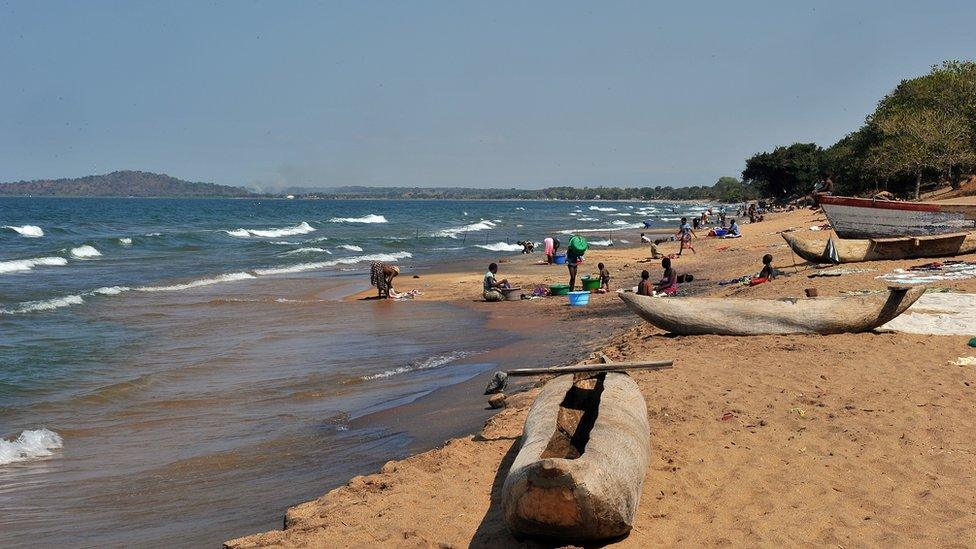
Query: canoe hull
x,y
590,497
728,316
855,250
867,218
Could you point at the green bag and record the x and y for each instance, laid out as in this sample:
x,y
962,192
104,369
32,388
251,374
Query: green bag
x,y
577,245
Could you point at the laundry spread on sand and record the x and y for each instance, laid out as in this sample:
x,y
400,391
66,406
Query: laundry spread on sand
x,y
870,292
932,272
964,361
938,314
840,271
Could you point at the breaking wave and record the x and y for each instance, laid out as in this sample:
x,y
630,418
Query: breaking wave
x,y
125,241
302,267
501,247
29,231
23,265
44,305
600,242
426,364
601,209
85,252
30,445
301,228
309,250
350,247
371,218
230,277
453,232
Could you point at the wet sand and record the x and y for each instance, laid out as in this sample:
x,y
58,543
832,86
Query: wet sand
x,y
854,439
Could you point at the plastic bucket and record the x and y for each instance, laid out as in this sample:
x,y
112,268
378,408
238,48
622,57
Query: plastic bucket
x,y
559,260
591,283
558,289
512,294
578,299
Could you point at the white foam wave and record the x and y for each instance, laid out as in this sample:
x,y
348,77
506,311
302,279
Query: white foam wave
x,y
426,364
520,208
285,243
371,218
23,265
28,231
620,223
586,219
453,232
44,305
350,247
111,290
30,445
154,234
501,247
670,218
602,209
309,250
605,229
600,242
301,228
230,277
622,214
574,213
302,267
85,252
125,241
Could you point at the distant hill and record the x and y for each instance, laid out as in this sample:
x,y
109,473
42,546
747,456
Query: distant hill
x,y
123,183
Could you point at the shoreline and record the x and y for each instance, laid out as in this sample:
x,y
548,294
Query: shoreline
x,y
806,411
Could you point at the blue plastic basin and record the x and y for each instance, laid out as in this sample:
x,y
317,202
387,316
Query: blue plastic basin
x,y
559,260
578,299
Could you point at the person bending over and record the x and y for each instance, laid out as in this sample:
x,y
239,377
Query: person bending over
x,y
381,275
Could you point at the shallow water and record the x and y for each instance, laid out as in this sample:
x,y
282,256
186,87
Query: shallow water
x,y
194,359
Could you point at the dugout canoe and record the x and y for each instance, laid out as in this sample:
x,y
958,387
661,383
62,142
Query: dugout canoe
x,y
580,470
853,217
849,250
730,316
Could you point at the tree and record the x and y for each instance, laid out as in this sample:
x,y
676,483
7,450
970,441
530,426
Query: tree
x,y
787,172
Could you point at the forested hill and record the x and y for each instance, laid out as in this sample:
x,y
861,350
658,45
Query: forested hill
x,y
123,183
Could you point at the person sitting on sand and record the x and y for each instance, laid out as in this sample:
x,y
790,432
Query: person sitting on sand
x,y
668,284
733,231
381,275
492,286
604,278
767,273
685,234
644,287
527,246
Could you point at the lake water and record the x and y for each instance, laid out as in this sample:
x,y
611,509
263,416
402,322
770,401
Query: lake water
x,y
178,372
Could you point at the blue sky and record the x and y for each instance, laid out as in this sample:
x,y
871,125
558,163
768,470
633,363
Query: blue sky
x,y
488,94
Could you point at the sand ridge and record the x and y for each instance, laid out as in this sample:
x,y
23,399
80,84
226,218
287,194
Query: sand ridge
x,y
843,440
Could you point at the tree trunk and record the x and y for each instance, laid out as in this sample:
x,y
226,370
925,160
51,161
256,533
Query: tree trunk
x,y
918,185
955,176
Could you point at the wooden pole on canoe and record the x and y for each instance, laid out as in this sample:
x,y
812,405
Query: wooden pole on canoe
x,y
607,367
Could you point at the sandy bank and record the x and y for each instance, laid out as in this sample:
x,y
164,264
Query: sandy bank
x,y
855,439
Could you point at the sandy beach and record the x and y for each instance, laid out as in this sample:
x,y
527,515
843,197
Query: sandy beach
x,y
843,440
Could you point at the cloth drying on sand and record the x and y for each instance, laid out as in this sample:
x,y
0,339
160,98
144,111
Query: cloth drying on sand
x,y
932,272
938,314
406,295
839,272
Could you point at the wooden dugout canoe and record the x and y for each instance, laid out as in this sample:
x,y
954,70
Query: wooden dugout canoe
x,y
877,249
730,316
871,218
580,470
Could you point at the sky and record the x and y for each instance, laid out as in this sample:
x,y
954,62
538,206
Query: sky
x,y
473,94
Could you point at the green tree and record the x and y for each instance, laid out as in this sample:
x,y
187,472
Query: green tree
x,y
787,172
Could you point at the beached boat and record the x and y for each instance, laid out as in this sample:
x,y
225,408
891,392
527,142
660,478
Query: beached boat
x,y
847,250
585,450
729,316
870,218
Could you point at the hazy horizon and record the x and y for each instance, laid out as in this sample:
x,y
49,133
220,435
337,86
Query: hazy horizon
x,y
271,96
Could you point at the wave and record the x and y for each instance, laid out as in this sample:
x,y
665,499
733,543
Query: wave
x,y
309,251
574,213
453,232
502,247
302,267
350,247
230,277
125,241
44,305
301,228
620,223
586,219
28,231
426,364
85,252
604,229
23,265
600,242
30,445
622,214
601,209
670,218
371,218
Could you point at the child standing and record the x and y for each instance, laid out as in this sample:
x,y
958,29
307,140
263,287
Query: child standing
x,y
604,278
